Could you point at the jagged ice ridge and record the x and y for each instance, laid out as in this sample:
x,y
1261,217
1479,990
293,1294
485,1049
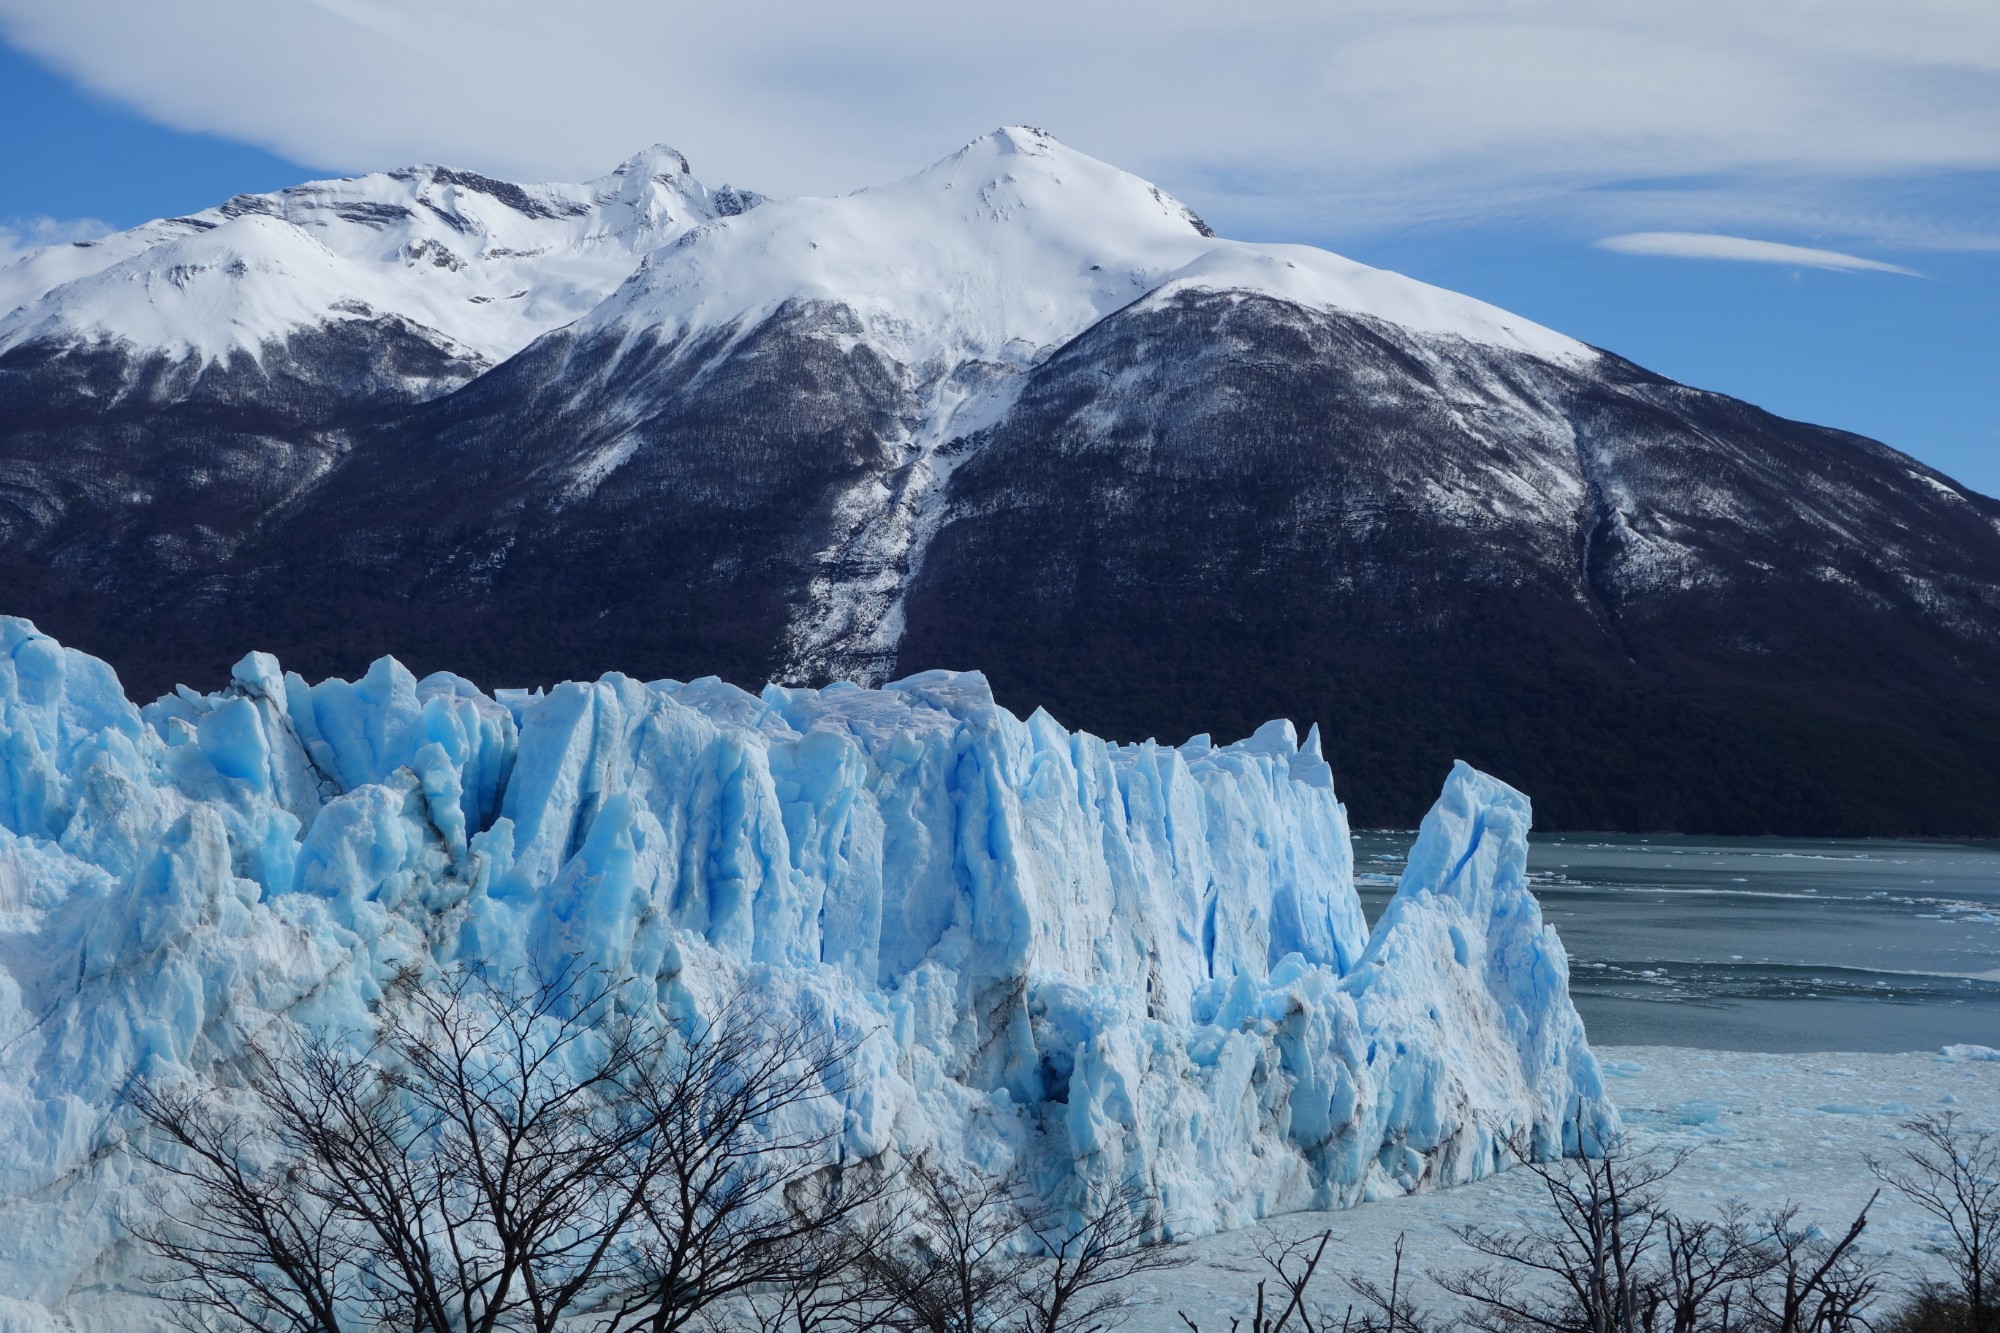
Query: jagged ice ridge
x,y
1082,958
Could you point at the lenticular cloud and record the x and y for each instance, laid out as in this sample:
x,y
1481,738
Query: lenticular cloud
x,y
1705,245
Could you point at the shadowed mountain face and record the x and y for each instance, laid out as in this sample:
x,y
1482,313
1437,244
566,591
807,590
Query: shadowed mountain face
x,y
1210,504
1651,607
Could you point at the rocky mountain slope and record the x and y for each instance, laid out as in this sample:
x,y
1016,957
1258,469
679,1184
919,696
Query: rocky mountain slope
x,y
1021,411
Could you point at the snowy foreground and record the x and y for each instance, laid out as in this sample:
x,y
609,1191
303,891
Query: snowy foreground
x,y
1766,1129
1079,958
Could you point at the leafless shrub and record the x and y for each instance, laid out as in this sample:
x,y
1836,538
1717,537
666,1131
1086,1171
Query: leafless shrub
x,y
498,1157
736,1203
1709,1266
1952,1173
1086,1253
1815,1283
1613,1258
1390,1309
1587,1269
980,1253
958,1265
1293,1266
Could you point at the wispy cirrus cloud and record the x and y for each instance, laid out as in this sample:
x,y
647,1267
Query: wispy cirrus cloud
x,y
1743,249
1283,116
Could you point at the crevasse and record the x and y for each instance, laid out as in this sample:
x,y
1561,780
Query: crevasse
x,y
1068,955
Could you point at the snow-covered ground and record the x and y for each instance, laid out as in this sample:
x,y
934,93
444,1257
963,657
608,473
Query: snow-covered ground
x,y
1766,1129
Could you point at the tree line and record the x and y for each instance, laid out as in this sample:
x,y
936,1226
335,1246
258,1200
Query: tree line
x,y
499,1156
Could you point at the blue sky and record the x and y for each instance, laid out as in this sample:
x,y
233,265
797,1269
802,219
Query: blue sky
x,y
1491,149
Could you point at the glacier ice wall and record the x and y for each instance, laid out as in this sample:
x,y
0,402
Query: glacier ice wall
x,y
1130,961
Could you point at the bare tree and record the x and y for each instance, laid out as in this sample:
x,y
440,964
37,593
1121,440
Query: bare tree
x,y
1615,1259
957,1266
496,1157
448,1173
738,1201
1815,1284
243,1245
1709,1264
1087,1253
1952,1172
1293,1266
836,1289
1390,1309
1588,1270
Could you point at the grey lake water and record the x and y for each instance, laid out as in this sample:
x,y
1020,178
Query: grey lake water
x,y
1763,944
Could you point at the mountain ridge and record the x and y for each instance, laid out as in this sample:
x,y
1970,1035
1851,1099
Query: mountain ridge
x,y
1024,412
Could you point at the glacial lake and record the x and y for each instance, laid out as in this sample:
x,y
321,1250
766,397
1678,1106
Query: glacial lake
x,y
1763,944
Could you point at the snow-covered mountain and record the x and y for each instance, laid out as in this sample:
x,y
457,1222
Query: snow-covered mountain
x,y
1019,411
959,279
1087,961
478,266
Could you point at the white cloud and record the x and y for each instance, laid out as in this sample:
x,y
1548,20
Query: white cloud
x,y
23,236
1321,117
1708,245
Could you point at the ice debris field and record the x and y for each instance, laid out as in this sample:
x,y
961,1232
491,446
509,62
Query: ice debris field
x,y
1761,1129
1074,957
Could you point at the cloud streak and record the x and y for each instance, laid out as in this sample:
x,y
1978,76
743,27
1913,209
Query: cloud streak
x,y
1742,249
1282,116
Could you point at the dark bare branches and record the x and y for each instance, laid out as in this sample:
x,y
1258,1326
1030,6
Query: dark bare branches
x,y
1952,1173
244,1244
1587,1270
1710,1264
1611,1257
1285,1296
1816,1284
1293,1266
1390,1309
741,1187
959,1264
1087,1253
500,1157
836,1285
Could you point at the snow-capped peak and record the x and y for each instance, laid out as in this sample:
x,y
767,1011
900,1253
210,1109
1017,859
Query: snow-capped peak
x,y
486,265
1003,251
999,253
659,162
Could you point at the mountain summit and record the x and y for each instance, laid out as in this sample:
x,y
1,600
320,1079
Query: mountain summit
x,y
1020,411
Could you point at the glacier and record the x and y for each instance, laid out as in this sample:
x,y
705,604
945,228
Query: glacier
x,y
1068,956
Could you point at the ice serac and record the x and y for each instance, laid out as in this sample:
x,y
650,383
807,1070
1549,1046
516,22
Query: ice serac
x,y
1081,958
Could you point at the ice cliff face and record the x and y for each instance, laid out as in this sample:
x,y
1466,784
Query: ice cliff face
x,y
1118,961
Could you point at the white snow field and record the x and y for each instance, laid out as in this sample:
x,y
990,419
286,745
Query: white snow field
x,y
1003,252
480,267
999,253
1114,961
1765,1129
